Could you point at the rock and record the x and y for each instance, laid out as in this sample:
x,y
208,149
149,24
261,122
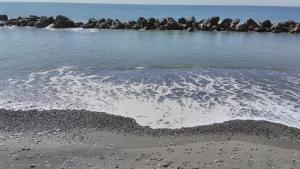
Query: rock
x,y
203,26
63,22
79,25
103,25
279,27
242,27
152,23
142,22
234,23
213,21
190,29
33,18
260,29
170,25
289,23
296,29
2,23
12,22
117,25
44,22
251,22
182,21
23,22
3,18
226,23
267,24
190,21
31,23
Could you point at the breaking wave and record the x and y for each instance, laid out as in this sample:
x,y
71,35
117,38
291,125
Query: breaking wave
x,y
162,98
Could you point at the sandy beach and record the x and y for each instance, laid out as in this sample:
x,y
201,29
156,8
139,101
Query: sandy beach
x,y
82,139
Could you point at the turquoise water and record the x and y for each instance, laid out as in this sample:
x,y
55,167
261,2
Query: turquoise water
x,y
162,79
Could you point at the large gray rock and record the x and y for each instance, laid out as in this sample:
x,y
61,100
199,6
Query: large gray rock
x,y
63,22
296,29
190,19
212,21
33,18
44,22
117,25
252,24
234,23
225,24
182,21
242,27
2,23
12,22
267,24
142,22
3,18
279,27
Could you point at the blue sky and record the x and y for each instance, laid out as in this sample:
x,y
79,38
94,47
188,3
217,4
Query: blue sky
x,y
200,2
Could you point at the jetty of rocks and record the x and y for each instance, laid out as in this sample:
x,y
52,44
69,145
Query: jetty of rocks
x,y
185,23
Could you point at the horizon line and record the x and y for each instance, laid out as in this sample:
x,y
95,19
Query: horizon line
x,y
164,4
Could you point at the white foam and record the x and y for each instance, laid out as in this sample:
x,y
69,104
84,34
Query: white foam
x,y
157,105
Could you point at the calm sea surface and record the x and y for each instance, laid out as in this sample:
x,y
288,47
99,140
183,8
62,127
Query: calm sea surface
x,y
162,79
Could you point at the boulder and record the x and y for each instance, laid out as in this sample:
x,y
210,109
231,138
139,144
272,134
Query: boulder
x,y
182,21
242,27
2,23
213,21
117,25
12,22
103,25
33,18
22,22
251,22
142,22
260,29
233,24
226,23
79,25
152,23
203,26
296,29
3,18
279,27
266,24
190,29
170,24
44,22
289,23
63,22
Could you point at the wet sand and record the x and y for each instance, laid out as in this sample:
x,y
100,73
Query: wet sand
x,y
82,139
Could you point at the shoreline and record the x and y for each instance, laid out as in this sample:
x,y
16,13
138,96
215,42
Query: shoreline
x,y
85,140
68,120
189,24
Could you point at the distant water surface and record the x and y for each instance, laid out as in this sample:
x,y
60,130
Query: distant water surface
x,y
82,12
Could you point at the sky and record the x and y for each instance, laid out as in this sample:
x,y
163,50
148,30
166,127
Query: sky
x,y
180,2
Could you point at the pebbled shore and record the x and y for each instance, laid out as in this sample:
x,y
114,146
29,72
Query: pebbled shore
x,y
84,139
185,23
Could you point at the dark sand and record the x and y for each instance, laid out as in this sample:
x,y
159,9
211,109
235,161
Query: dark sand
x,y
82,139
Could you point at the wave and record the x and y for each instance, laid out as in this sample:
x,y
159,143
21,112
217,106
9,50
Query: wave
x,y
171,98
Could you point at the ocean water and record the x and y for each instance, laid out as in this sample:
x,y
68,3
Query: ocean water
x,y
82,12
167,79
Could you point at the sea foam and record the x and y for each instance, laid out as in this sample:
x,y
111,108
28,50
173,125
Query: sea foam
x,y
162,98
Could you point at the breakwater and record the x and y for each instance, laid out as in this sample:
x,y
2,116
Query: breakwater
x,y
169,23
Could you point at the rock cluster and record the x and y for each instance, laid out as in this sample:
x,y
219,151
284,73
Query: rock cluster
x,y
169,23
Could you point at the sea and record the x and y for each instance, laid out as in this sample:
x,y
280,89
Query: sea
x,y
162,79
